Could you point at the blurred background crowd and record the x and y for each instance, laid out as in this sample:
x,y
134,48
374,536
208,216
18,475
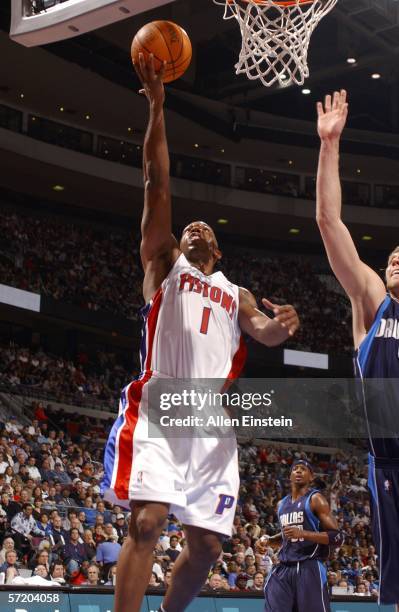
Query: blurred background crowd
x,y
99,269
55,527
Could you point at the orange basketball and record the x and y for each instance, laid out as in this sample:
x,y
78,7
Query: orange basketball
x,y
168,42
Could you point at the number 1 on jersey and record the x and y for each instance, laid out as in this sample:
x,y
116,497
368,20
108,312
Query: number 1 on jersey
x,y
206,313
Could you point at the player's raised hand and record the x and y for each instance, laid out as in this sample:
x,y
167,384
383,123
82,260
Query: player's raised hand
x,y
285,315
332,115
151,81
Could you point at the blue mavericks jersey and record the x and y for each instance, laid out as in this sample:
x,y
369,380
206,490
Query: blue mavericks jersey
x,y
299,514
377,364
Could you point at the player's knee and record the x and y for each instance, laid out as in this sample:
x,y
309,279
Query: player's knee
x,y
207,551
147,526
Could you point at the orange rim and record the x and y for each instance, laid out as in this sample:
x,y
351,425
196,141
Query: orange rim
x,y
278,2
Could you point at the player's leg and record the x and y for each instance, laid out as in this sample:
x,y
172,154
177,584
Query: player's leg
x,y
384,487
136,557
311,587
211,490
192,566
280,590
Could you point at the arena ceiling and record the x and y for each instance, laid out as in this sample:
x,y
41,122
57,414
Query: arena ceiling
x,y
367,30
210,104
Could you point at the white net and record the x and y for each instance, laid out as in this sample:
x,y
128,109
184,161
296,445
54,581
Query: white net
x,y
275,39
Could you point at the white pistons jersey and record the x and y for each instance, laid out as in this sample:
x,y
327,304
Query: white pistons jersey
x,y
191,326
190,331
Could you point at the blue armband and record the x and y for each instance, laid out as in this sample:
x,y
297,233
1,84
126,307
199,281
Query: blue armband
x,y
335,538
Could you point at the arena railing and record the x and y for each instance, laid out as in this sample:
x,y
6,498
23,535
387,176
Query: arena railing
x,y
27,394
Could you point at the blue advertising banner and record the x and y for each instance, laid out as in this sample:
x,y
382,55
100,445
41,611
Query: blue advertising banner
x,y
94,602
81,601
34,601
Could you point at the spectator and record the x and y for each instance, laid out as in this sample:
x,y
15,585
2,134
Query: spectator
x,y
232,573
89,511
121,528
66,500
24,527
93,576
99,534
111,578
57,572
11,561
43,525
258,582
11,573
108,554
8,544
79,575
360,589
3,463
110,530
74,552
33,470
241,583
167,578
215,583
89,544
173,551
41,570
153,582
41,558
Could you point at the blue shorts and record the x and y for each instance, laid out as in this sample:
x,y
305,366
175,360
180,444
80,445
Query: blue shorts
x,y
384,487
297,588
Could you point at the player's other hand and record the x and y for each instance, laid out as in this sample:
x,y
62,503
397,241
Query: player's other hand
x,y
332,115
285,315
262,545
292,533
151,81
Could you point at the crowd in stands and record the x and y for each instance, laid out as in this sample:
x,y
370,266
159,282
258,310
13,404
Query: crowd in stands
x,y
100,270
84,380
56,528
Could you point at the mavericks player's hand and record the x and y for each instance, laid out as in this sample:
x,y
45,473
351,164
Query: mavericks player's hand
x,y
151,81
293,533
332,118
262,545
285,315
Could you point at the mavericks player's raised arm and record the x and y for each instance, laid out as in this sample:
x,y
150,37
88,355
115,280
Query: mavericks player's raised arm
x,y
159,249
259,326
363,286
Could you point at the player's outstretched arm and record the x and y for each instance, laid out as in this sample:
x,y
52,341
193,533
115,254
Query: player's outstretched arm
x,y
259,326
158,243
360,282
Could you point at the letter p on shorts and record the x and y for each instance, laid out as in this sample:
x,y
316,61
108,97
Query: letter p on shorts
x,y
225,502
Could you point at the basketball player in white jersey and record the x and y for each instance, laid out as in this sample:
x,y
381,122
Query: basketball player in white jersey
x,y
192,329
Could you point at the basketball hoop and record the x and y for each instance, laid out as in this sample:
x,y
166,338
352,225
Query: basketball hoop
x,y
275,37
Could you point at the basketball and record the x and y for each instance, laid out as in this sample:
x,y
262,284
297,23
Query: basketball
x,y
169,43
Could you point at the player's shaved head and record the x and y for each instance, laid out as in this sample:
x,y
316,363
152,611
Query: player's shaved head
x,y
199,244
203,224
